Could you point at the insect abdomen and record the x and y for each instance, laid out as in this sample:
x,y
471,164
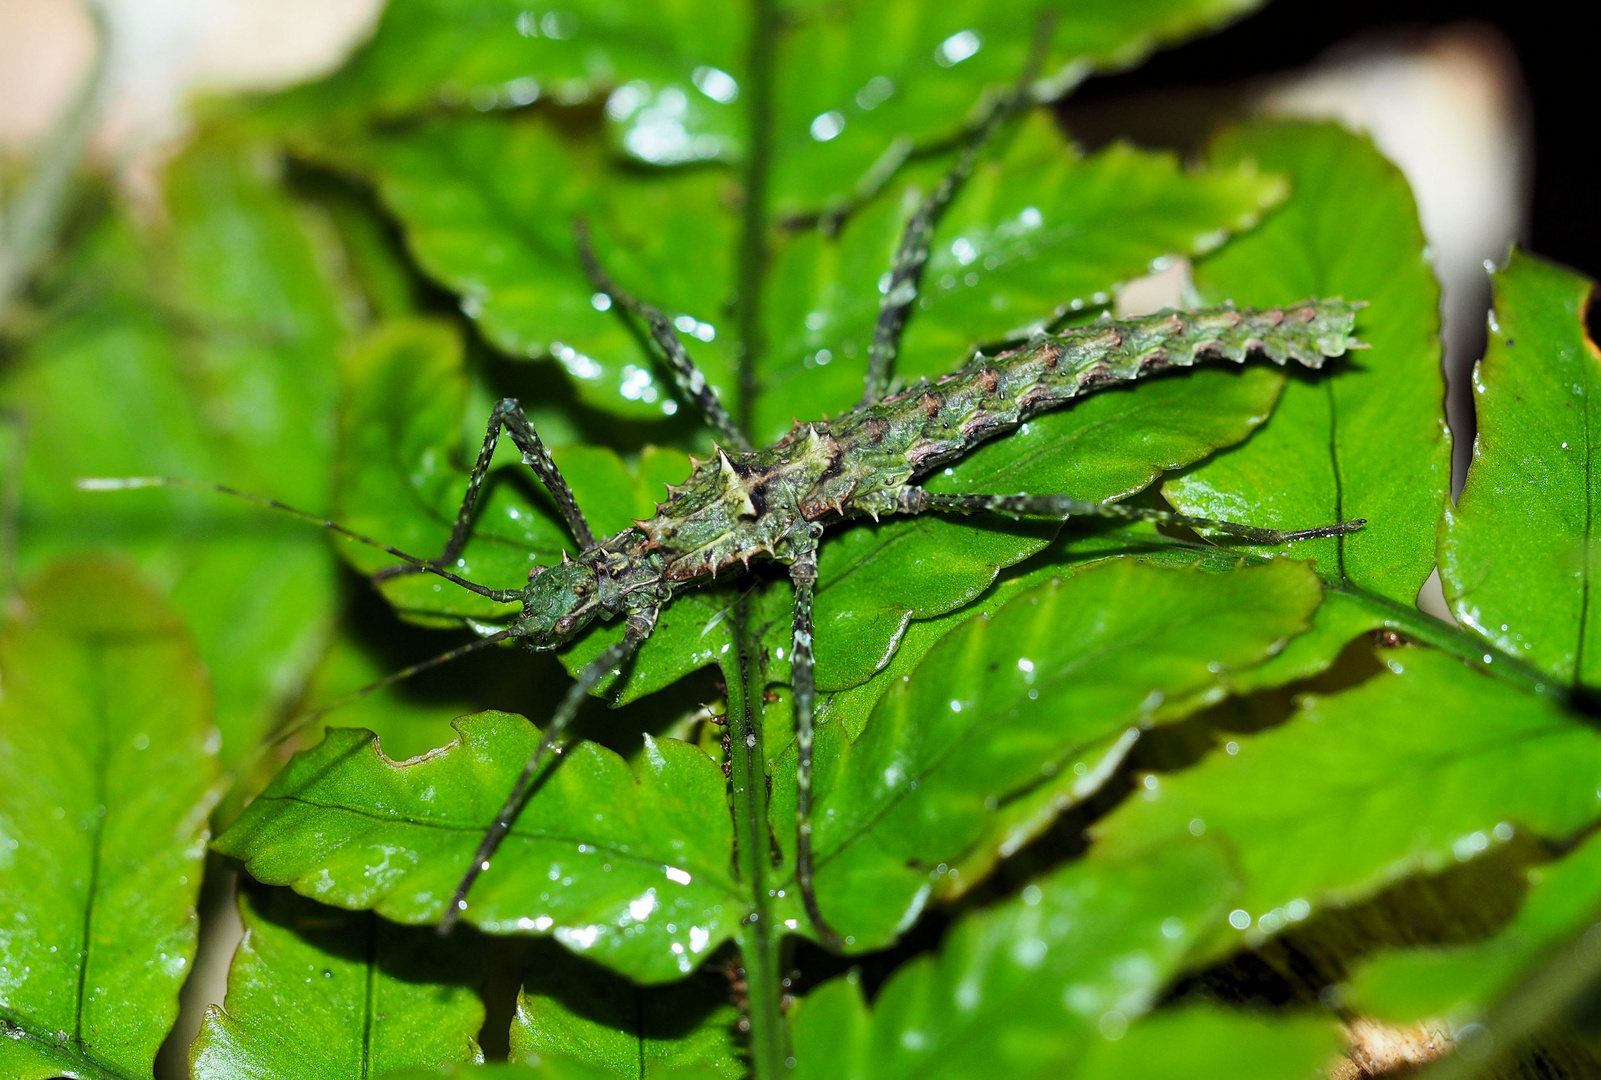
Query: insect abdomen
x,y
934,422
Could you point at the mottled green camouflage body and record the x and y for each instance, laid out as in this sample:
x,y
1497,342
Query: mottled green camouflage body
x,y
774,502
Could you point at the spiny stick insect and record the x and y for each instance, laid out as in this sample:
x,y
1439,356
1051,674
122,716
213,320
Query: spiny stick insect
x,y
776,502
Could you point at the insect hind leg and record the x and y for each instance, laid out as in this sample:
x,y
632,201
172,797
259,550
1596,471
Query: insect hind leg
x,y
638,628
803,572
916,500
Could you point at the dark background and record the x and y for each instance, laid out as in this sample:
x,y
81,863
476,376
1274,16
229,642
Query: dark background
x,y
1561,67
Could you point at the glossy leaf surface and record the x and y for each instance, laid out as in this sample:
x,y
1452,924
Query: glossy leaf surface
x,y
1332,449
99,868
629,867
1362,788
333,995
1005,702
1461,983
1021,989
1518,550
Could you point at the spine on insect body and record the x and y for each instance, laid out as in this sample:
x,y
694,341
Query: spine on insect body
x,y
739,506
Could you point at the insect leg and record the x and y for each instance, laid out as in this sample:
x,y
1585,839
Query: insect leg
x,y
509,415
638,628
917,238
915,500
690,379
803,572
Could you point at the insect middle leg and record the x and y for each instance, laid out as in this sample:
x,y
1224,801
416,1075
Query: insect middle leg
x,y
914,500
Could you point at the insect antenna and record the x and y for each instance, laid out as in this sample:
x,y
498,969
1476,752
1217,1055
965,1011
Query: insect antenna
x,y
133,483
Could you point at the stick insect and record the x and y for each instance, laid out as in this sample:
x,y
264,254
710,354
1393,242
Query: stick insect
x,y
777,502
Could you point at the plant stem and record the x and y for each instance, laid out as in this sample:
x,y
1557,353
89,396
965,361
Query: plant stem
x,y
753,843
1466,647
753,224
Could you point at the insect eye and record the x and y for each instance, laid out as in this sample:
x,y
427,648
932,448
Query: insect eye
x,y
564,625
535,571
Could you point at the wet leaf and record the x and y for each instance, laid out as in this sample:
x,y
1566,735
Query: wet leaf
x,y
1365,787
203,347
628,867
1024,988
99,868
1040,231
322,994
1005,702
1366,438
489,209
1461,983
1516,551
570,1009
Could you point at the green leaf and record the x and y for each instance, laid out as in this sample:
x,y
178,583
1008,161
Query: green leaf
x,y
203,348
99,867
1023,988
1332,448
630,868
1516,551
873,580
489,207
1461,983
571,1009
1006,702
1365,787
320,994
1199,1041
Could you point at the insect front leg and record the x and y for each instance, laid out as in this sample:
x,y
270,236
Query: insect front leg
x,y
509,415
803,572
686,373
915,500
638,627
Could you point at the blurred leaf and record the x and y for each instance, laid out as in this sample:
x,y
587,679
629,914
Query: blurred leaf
x,y
1367,439
99,867
847,79
1461,983
489,208
204,348
1517,548
1199,1041
320,994
1368,786
553,1067
1023,988
1004,703
571,1009
630,868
